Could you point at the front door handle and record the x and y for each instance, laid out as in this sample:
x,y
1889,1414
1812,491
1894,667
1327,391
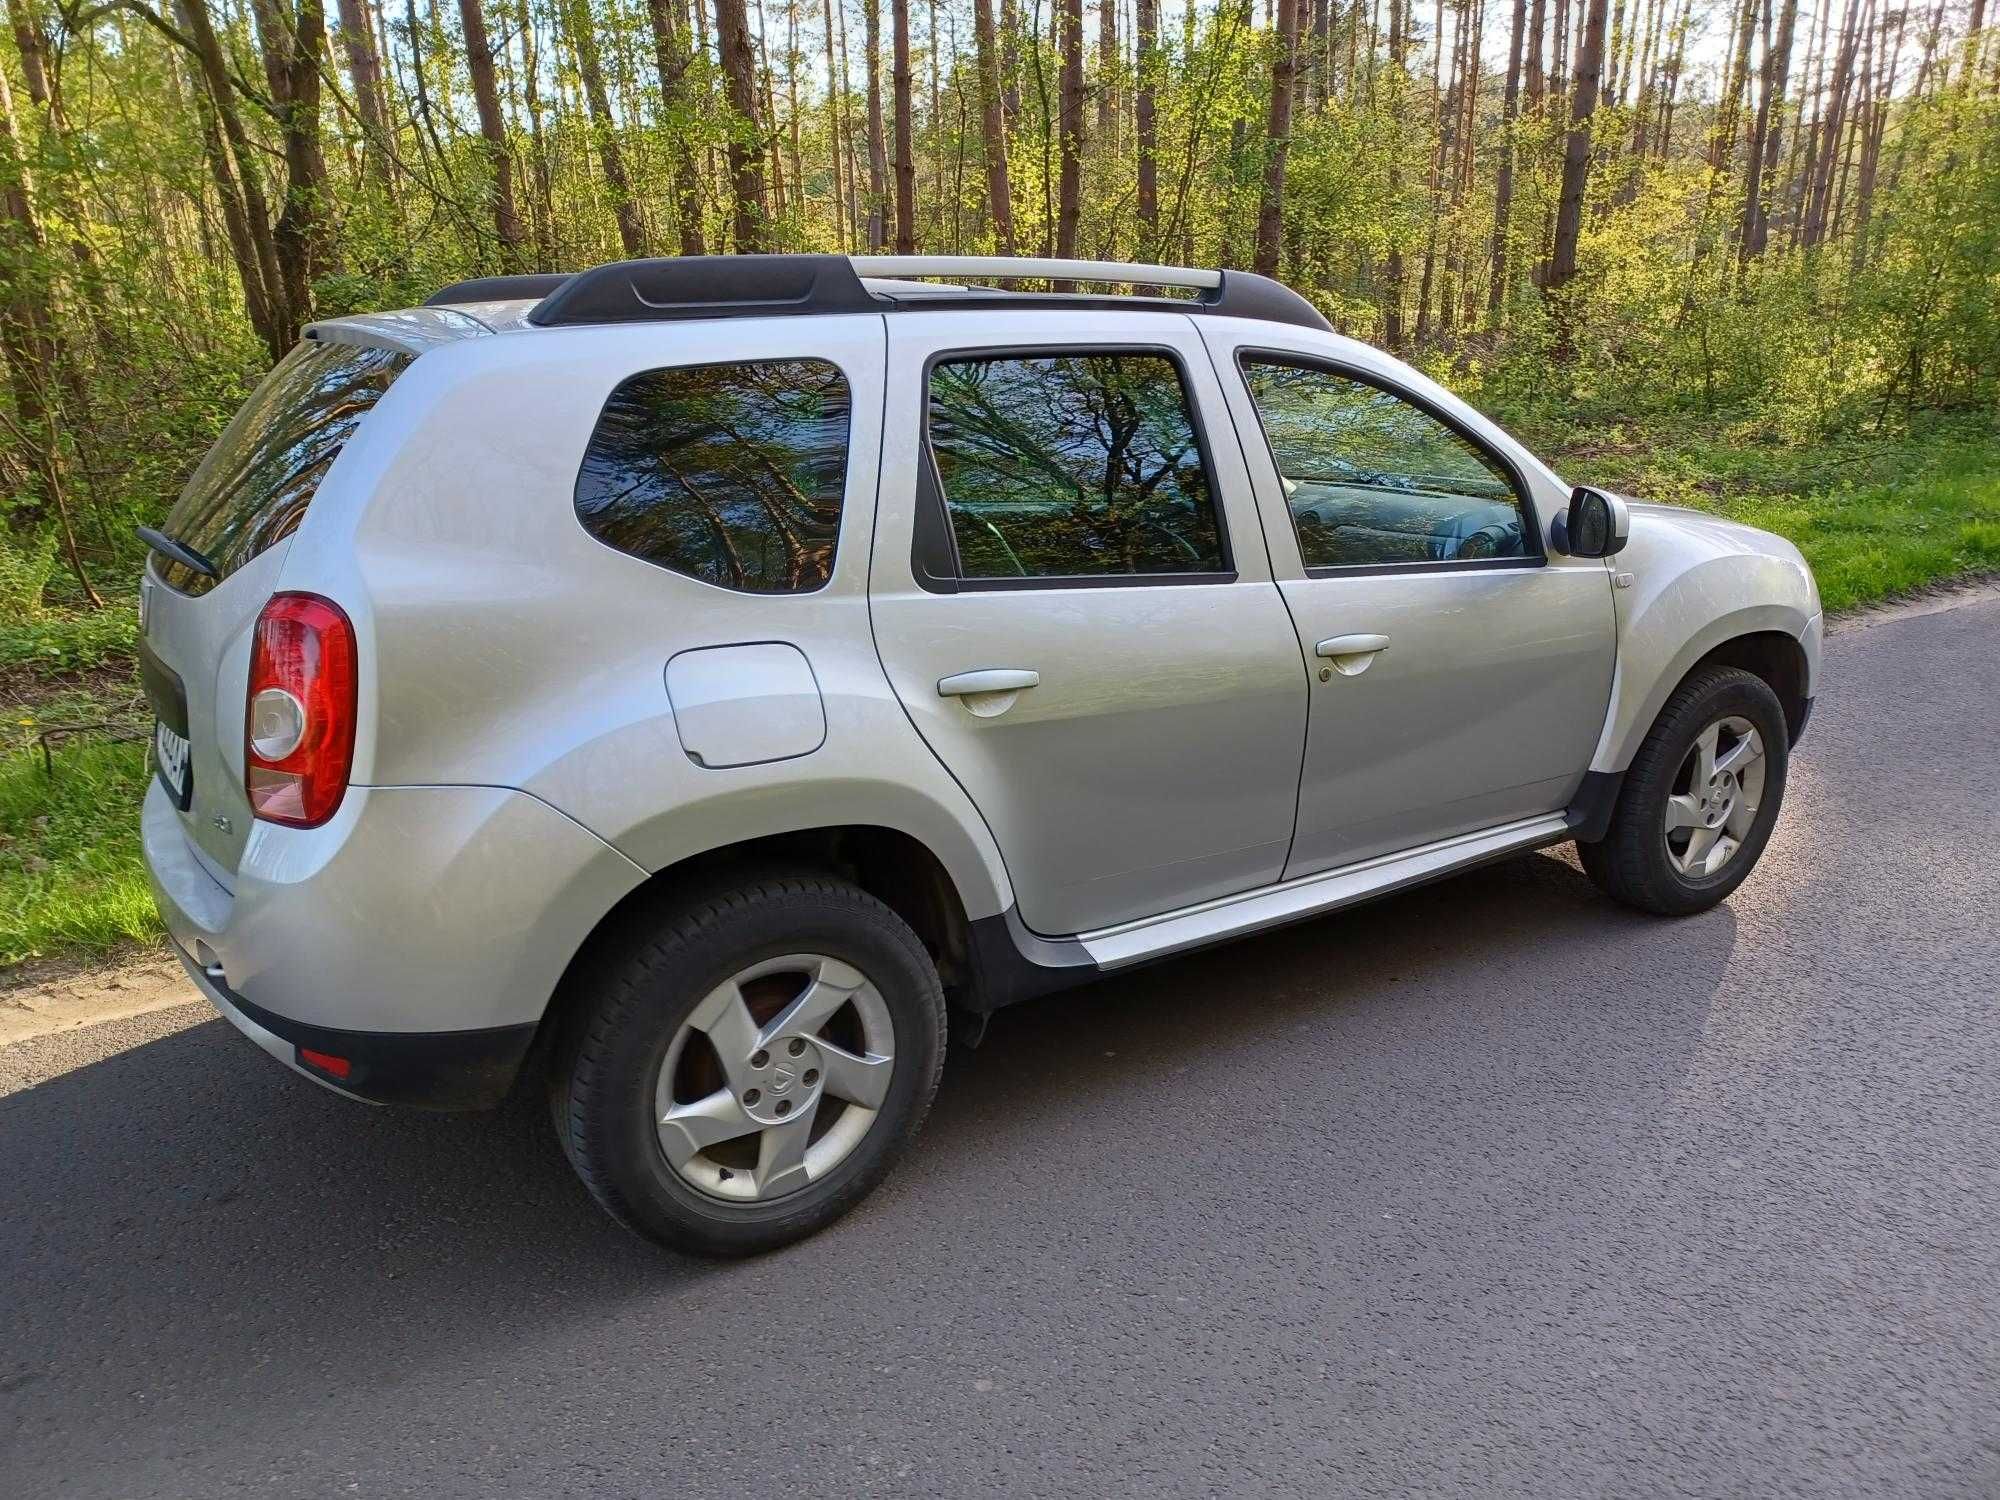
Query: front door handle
x,y
988,692
990,680
1352,654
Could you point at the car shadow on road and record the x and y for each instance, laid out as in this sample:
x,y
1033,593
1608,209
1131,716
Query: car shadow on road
x,y
211,1214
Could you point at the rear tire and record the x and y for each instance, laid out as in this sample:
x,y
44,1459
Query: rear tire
x,y
699,1093
1698,804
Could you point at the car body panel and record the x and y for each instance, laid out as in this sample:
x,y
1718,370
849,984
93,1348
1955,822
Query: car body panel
x,y
1492,689
501,644
1155,763
1690,583
415,909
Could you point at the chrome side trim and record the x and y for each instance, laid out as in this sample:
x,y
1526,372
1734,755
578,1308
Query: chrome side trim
x,y
1327,890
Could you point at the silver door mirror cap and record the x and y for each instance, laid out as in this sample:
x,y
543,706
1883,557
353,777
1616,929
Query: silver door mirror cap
x,y
1597,524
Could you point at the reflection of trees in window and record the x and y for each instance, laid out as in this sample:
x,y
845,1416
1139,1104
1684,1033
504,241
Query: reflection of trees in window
x,y
1327,428
728,473
252,489
1067,465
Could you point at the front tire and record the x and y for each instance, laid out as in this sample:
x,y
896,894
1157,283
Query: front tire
x,y
1699,802
753,1066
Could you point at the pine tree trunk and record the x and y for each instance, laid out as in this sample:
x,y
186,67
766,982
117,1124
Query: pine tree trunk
x,y
878,156
836,132
1576,150
1069,131
739,86
263,292
610,156
493,132
1722,142
542,196
364,72
1278,137
670,61
1819,195
1537,83
1503,190
993,127
906,159
294,50
1145,111
1392,270
1766,134
1107,67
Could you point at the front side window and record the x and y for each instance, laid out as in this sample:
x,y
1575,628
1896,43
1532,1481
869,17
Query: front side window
x,y
1373,479
732,474
1071,466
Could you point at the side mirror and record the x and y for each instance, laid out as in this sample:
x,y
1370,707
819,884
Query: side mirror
x,y
1597,524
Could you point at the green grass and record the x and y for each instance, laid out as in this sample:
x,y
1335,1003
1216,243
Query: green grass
x,y
70,875
1876,517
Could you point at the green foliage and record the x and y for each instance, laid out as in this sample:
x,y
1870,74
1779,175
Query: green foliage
x,y
1875,517
70,872
50,645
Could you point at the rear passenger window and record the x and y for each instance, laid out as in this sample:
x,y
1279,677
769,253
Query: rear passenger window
x,y
732,474
1072,465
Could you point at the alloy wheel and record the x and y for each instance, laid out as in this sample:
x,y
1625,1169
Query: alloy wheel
x,y
1716,794
775,1078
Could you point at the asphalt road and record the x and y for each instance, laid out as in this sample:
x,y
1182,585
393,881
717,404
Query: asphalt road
x,y
1490,1189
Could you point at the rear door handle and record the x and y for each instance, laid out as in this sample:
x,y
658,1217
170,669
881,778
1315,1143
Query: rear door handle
x,y
989,680
1352,654
989,693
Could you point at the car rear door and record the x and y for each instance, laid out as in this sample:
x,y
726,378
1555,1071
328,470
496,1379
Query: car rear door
x,y
1072,598
237,512
1461,669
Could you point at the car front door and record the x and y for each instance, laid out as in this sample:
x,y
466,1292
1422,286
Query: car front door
x,y
1073,601
1461,669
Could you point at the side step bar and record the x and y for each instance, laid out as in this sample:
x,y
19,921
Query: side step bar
x,y
1234,916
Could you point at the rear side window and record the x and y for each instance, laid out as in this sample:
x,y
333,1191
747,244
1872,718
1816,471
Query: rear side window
x,y
252,489
732,474
1072,466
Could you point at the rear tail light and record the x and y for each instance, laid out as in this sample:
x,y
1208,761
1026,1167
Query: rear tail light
x,y
298,727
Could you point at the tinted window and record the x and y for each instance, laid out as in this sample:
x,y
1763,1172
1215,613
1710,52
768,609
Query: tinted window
x,y
252,489
1071,465
728,473
1372,478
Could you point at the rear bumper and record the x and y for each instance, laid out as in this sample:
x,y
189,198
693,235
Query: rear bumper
x,y
419,934
427,1069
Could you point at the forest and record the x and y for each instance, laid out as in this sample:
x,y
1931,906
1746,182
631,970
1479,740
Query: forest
x,y
1743,254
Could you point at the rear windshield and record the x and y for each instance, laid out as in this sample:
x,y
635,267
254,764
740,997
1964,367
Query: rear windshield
x,y
252,490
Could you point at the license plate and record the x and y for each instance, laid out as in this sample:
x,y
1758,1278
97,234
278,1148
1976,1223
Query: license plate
x,y
170,759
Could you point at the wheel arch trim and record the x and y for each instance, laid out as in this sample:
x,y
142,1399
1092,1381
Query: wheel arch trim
x,y
1644,681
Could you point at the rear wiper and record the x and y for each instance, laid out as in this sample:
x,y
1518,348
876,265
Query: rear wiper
x,y
179,552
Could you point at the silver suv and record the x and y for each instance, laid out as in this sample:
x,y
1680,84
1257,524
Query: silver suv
x,y
689,681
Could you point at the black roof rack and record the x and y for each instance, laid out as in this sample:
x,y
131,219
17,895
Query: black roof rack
x,y
497,288
722,286
705,286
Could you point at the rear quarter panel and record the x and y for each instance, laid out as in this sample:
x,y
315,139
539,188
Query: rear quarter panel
x,y
502,645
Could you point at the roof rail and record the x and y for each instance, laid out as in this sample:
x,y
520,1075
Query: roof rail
x,y
497,288
1003,267
705,286
720,286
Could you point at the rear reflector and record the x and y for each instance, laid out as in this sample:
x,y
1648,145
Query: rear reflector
x,y
326,1062
298,722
